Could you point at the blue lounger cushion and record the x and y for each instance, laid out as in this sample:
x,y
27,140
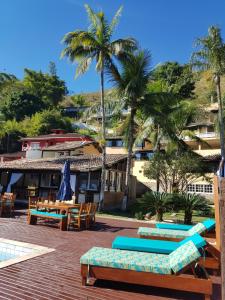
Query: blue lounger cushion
x,y
145,245
154,246
209,224
168,233
47,214
173,226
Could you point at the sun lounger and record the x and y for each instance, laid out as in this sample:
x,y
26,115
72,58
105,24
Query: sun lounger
x,y
175,235
209,224
166,247
159,270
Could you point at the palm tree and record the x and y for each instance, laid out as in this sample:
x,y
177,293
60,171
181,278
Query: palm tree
x,y
155,203
131,84
96,44
189,203
211,56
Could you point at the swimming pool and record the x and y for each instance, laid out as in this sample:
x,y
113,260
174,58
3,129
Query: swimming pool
x,y
12,252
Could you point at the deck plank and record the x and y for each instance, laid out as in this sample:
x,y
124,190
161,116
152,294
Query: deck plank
x,y
56,275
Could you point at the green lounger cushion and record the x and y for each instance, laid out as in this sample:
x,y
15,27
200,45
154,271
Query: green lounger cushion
x,y
183,256
47,214
173,226
154,246
147,231
209,224
198,228
129,260
141,261
168,233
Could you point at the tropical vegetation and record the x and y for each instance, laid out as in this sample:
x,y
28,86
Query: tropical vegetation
x,y
96,44
144,103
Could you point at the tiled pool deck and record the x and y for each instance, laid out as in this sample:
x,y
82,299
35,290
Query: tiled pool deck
x,y
56,275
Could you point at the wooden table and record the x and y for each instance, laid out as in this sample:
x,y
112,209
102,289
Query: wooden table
x,y
61,207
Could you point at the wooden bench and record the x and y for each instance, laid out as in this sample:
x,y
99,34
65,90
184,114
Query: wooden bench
x,y
34,214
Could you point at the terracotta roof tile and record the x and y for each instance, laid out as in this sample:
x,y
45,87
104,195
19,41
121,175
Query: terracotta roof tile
x,y
77,163
68,145
54,135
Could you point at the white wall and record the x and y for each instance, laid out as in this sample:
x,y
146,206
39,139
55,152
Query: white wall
x,y
33,154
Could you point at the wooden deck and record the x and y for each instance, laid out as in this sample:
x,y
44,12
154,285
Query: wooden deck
x,y
57,275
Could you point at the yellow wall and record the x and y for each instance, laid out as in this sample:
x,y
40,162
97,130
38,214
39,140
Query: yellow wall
x,y
89,149
138,170
116,150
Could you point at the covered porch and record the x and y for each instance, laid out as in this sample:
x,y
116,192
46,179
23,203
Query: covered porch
x,y
41,178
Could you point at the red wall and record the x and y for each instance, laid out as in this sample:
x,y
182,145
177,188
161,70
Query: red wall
x,y
52,141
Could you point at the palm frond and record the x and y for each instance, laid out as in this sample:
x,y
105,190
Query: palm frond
x,y
115,20
92,18
83,66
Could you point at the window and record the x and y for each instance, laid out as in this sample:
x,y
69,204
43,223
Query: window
x,y
200,188
50,180
143,155
83,180
115,143
35,146
209,188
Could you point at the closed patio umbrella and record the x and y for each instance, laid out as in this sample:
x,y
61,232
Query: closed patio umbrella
x,y
65,192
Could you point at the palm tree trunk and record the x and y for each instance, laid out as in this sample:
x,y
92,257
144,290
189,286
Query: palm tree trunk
x,y
188,217
129,157
101,204
221,208
221,123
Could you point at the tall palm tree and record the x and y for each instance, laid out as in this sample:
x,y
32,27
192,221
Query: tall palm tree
x,y
211,56
96,44
131,84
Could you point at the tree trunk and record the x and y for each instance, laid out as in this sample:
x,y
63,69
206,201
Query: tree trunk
x,y
129,157
188,217
221,122
159,215
221,201
101,204
157,179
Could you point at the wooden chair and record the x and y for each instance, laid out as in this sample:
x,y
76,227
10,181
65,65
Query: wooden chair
x,y
76,219
91,213
7,203
33,200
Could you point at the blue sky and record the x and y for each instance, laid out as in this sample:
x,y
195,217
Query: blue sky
x,y
31,31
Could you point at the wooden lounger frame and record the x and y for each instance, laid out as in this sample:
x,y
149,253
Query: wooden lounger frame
x,y
180,282
212,262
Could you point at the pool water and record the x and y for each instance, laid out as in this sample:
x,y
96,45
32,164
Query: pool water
x,y
12,252
9,251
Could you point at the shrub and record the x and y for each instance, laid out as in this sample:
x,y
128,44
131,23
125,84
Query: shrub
x,y
155,203
190,202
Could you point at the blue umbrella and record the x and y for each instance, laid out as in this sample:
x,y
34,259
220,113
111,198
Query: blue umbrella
x,y
65,192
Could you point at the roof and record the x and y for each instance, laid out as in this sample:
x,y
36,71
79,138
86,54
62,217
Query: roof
x,y
212,158
77,163
69,145
55,135
196,124
213,107
14,154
